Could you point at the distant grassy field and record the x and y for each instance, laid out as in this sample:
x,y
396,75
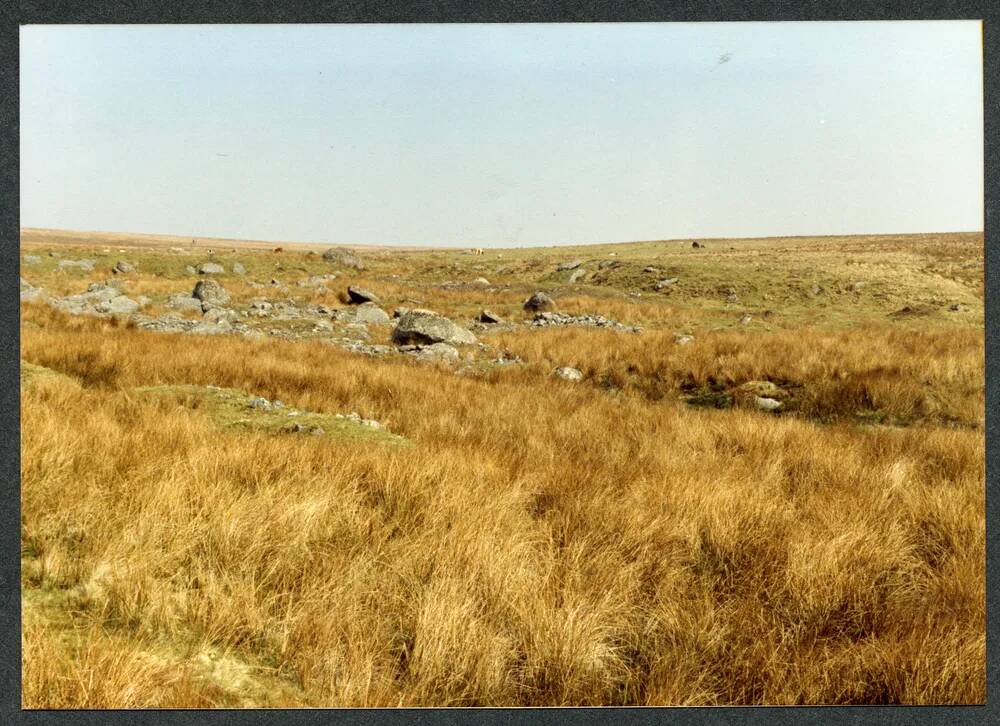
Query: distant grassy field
x,y
644,536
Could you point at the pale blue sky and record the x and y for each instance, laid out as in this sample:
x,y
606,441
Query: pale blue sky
x,y
500,135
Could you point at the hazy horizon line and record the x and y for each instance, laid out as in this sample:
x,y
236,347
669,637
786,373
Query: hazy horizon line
x,y
387,245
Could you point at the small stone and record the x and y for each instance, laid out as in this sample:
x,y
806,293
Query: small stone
x,y
568,374
123,267
766,404
490,317
437,352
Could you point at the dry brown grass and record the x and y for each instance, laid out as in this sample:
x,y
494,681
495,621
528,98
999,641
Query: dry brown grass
x,y
541,544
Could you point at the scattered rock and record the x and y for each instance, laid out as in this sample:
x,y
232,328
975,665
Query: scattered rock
x,y
370,313
426,327
539,302
577,275
180,301
437,352
260,308
745,319
30,292
123,267
683,339
343,257
488,316
595,321
567,266
607,264
359,295
210,268
219,316
766,404
31,260
119,305
568,374
666,284
858,286
651,270
958,307
190,270
86,265
239,269
732,298
481,282
211,292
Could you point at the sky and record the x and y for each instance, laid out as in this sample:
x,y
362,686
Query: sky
x,y
503,135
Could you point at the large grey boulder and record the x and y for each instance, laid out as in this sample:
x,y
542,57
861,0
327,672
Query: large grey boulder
x,y
426,327
371,314
210,268
359,295
211,292
99,292
180,301
539,302
344,257
120,305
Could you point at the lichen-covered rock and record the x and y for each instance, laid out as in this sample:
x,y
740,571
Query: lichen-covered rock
x,y
568,374
210,268
211,292
539,302
426,327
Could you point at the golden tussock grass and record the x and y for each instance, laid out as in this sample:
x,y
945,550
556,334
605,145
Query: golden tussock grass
x,y
540,543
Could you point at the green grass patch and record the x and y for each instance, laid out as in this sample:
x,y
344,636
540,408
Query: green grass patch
x,y
230,408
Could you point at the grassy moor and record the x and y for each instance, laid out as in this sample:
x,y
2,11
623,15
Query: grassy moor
x,y
697,472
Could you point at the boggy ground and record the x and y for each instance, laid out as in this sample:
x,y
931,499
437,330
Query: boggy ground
x,y
642,536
